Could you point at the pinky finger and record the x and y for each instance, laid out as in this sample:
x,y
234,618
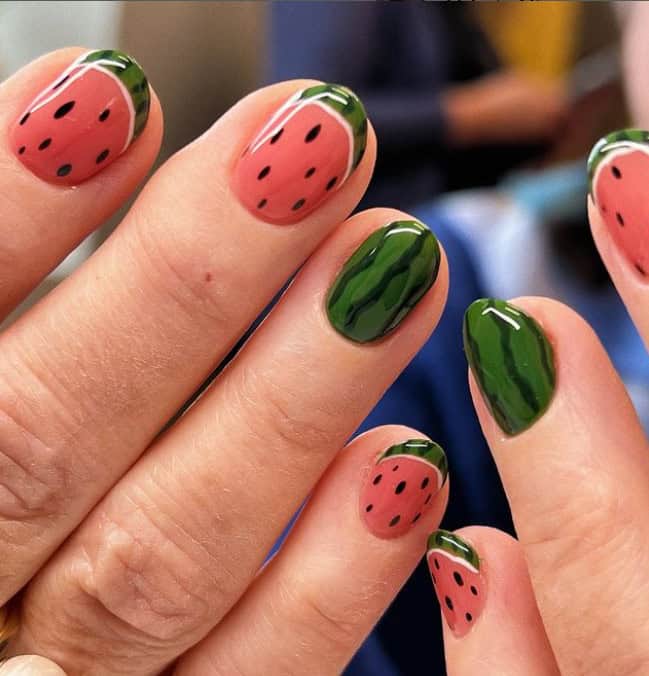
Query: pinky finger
x,y
489,604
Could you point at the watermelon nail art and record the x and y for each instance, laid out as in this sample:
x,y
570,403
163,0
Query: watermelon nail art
x,y
618,168
302,155
401,487
84,119
455,570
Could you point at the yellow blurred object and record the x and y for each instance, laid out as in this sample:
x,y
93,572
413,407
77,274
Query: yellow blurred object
x,y
538,38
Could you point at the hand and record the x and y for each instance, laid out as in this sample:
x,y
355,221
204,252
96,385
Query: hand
x,y
572,596
138,551
506,107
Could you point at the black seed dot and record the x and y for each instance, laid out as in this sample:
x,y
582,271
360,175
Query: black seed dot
x,y
63,110
458,579
377,479
474,591
276,136
309,172
102,156
299,204
469,617
313,133
604,209
430,495
60,82
104,115
369,508
45,143
24,118
425,483
262,203
449,603
263,173
395,520
401,486
640,269
616,172
620,220
64,170
417,516
21,150
395,468
436,562
332,183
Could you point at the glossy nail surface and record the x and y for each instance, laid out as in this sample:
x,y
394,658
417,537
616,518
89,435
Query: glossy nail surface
x,y
512,362
618,169
302,154
455,569
84,119
383,280
401,487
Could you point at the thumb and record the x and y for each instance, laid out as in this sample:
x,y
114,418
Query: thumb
x,y
30,665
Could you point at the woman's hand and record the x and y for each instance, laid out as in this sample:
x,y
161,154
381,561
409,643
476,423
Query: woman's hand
x,y
572,596
137,551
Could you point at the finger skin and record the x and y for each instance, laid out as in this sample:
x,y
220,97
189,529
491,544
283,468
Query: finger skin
x,y
41,223
91,374
578,482
508,639
313,605
177,542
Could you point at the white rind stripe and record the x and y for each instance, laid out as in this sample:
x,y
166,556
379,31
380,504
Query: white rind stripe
x,y
406,456
456,559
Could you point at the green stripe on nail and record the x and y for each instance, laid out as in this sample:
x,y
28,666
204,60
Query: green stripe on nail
x,y
421,448
454,545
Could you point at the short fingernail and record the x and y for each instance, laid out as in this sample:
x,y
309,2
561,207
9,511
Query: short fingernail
x,y
383,280
618,170
86,118
302,154
512,362
455,568
401,487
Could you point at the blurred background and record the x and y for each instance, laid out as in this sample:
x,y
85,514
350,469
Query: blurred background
x,y
485,114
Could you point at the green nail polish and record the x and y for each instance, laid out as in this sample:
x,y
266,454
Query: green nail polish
x,y
512,362
383,280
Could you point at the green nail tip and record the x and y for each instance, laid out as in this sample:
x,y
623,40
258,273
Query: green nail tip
x,y
512,362
421,448
383,280
347,104
132,76
615,141
454,545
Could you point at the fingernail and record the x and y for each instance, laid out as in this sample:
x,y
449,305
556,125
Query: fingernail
x,y
85,119
30,665
302,155
512,362
383,280
618,170
401,487
455,568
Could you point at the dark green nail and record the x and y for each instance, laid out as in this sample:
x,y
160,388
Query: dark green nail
x,y
383,280
512,362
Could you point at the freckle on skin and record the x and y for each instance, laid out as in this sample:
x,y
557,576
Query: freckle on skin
x,y
208,276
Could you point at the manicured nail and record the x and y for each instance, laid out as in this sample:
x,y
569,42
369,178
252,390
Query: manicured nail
x,y
401,487
455,568
512,362
302,155
84,119
618,169
383,280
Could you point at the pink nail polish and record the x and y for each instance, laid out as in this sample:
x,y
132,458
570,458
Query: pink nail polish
x,y
302,155
455,569
618,168
85,119
401,487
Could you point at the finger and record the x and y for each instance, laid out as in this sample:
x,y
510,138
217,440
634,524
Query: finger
x,y
179,539
618,208
492,622
321,595
92,374
575,467
66,117
30,665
